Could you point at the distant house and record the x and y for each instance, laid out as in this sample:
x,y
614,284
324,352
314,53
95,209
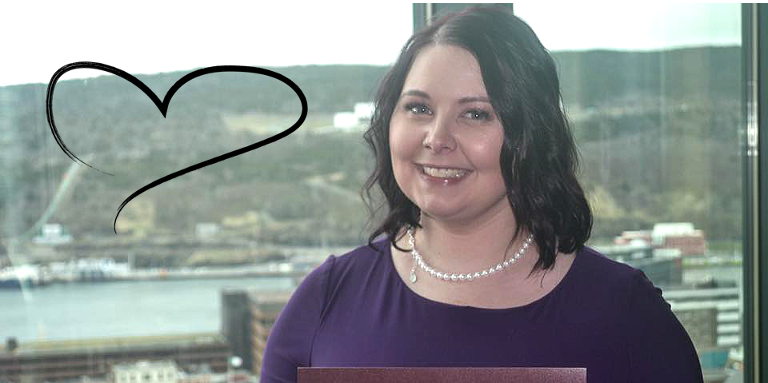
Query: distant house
x,y
358,119
364,111
634,237
52,234
206,229
345,120
680,236
668,239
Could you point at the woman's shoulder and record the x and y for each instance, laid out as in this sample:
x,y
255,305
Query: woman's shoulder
x,y
597,272
596,263
350,264
365,253
645,320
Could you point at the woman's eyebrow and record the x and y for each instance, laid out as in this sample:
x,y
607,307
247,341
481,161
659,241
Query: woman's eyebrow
x,y
415,92
474,99
463,100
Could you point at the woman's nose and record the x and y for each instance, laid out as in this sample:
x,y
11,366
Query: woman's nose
x,y
440,136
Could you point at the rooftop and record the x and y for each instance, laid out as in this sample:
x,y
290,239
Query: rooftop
x,y
113,344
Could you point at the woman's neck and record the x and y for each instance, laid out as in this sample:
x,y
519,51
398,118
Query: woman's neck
x,y
463,248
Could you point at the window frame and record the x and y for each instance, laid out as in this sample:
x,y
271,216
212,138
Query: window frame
x,y
754,23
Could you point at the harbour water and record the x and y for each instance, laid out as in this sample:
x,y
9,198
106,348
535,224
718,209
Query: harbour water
x,y
154,307
115,309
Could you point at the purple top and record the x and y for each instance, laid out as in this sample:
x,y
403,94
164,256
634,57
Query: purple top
x,y
354,310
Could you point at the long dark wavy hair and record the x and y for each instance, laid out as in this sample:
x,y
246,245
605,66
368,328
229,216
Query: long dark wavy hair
x,y
538,156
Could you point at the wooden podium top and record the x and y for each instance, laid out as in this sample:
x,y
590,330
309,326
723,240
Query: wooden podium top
x,y
441,374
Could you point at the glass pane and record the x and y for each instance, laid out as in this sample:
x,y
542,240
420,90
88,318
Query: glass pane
x,y
654,97
187,282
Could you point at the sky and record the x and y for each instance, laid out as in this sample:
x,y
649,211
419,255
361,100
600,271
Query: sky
x,y
143,37
635,25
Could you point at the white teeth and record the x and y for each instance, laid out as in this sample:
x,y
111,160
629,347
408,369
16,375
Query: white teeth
x,y
444,173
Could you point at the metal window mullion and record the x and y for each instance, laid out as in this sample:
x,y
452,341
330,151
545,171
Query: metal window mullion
x,y
755,72
760,49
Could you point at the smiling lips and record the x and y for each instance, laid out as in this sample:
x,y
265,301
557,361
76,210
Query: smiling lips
x,y
441,172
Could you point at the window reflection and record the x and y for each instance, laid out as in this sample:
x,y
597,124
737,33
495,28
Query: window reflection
x,y
203,265
187,289
655,106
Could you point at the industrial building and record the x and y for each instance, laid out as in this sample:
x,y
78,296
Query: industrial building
x,y
94,359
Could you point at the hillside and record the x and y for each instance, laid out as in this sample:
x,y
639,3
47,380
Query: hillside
x,y
659,135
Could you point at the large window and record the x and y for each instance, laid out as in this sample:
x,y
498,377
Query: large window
x,y
201,265
654,95
78,300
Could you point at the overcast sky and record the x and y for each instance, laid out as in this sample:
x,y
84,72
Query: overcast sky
x,y
636,25
150,37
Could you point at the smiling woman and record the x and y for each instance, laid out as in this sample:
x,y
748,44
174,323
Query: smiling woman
x,y
477,164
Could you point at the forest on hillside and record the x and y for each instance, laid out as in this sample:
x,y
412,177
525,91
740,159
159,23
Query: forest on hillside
x,y
659,135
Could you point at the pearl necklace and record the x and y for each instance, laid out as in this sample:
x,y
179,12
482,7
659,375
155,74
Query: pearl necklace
x,y
460,277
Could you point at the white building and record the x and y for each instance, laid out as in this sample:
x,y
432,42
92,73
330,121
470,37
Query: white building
x,y
163,371
670,229
345,120
206,229
679,236
364,110
89,269
52,234
358,119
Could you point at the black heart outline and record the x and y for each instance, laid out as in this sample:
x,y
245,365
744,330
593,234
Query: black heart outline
x,y
163,107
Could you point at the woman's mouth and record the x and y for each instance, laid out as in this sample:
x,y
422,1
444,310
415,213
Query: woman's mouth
x,y
443,173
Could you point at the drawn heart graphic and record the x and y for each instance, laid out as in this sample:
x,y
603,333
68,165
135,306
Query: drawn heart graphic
x,y
163,107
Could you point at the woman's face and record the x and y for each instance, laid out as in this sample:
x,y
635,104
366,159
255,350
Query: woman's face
x,y
445,138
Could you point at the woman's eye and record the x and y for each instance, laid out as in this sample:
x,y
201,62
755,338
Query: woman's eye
x,y
417,108
477,114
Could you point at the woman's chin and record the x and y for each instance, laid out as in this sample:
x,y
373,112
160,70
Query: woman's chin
x,y
441,213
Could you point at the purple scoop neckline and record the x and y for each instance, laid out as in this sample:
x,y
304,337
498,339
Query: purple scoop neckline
x,y
393,273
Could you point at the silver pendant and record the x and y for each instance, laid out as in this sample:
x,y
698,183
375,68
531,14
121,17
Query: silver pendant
x,y
413,275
